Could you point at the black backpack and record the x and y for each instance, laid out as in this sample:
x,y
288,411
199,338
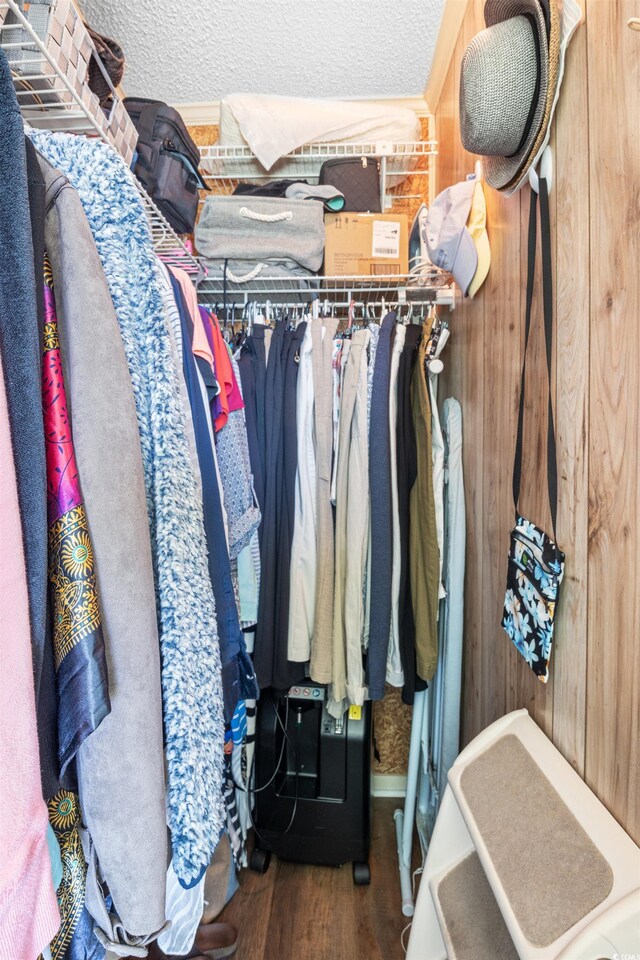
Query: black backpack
x,y
167,161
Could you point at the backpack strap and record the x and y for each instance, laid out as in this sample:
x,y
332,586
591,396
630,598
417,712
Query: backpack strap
x,y
146,173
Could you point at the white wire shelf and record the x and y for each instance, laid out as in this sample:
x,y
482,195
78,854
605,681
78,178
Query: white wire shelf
x,y
430,286
52,99
224,167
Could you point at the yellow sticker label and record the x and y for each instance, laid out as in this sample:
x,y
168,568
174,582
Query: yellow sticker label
x,y
355,713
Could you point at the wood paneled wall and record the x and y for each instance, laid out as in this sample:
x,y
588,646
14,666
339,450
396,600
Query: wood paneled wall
x,y
591,705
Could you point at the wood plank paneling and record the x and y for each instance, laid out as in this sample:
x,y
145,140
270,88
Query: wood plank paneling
x,y
591,706
613,669
502,339
463,378
572,398
452,17
470,321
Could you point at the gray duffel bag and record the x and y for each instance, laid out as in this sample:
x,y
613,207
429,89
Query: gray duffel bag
x,y
262,228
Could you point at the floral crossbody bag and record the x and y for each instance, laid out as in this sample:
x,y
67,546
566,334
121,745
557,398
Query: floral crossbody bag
x,y
536,563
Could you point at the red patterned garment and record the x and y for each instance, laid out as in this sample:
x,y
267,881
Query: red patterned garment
x,y
81,671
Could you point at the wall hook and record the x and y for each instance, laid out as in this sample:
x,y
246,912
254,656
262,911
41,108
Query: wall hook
x,y
546,171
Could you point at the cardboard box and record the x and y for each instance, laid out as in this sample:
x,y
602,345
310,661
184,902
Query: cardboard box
x,y
365,244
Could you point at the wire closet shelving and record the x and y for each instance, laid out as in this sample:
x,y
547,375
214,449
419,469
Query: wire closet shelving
x,y
50,98
224,167
431,287
406,177
53,97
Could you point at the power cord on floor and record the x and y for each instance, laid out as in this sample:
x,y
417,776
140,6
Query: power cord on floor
x,y
251,791
402,943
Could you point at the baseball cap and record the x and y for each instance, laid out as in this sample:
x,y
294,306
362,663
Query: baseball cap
x,y
477,227
449,243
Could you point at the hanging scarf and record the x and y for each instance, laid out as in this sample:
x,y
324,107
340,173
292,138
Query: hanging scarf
x,y
75,940
78,644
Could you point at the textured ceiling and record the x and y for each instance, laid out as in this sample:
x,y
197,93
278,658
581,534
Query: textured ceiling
x,y
204,49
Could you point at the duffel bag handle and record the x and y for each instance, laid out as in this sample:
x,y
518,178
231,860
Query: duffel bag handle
x,y
246,277
265,217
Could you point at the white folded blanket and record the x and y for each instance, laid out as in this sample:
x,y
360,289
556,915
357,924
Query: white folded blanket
x,y
274,126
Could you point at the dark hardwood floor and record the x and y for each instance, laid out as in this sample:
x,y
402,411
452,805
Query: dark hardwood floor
x,y
298,912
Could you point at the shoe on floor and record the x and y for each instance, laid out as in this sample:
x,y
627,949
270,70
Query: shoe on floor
x,y
214,941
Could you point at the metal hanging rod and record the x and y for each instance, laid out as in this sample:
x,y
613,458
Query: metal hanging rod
x,y
431,287
254,312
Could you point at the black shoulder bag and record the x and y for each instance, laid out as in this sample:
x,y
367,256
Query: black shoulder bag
x,y
536,563
166,162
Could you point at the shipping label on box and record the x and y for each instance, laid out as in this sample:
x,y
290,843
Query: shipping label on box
x,y
385,239
365,244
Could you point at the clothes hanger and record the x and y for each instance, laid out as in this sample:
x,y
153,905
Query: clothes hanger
x,y
437,339
201,275
238,335
351,316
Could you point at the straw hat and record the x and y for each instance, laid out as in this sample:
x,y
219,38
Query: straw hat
x,y
504,85
555,41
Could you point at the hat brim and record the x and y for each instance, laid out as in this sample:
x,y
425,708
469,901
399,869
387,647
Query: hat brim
x,y
499,171
555,45
483,250
466,262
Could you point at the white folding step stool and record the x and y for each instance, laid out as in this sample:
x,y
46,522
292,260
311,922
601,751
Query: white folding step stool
x,y
524,861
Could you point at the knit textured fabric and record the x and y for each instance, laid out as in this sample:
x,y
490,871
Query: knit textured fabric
x,y
191,672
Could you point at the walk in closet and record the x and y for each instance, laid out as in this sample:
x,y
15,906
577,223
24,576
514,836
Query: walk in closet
x,y
319,391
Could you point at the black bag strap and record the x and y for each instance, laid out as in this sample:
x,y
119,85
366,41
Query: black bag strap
x,y
146,124
147,121
547,301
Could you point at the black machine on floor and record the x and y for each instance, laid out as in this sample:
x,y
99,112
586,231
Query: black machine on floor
x,y
312,800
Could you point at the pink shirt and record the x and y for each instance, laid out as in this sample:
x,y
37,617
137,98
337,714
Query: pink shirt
x,y
200,345
29,916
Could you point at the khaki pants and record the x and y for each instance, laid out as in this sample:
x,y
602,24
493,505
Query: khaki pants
x,y
352,529
424,557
